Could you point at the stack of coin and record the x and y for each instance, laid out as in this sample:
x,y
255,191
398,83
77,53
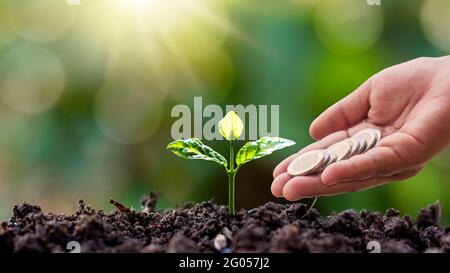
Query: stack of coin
x,y
316,161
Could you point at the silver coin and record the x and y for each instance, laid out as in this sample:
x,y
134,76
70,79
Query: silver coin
x,y
378,134
341,150
371,135
306,163
371,139
374,131
362,143
357,145
317,160
354,144
326,163
333,158
366,139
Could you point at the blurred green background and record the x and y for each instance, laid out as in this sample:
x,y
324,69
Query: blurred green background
x,y
86,92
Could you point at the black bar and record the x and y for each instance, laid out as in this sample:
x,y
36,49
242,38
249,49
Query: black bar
x,y
130,263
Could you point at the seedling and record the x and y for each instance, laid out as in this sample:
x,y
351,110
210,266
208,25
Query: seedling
x,y
230,127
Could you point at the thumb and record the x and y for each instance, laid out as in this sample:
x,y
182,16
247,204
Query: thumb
x,y
344,114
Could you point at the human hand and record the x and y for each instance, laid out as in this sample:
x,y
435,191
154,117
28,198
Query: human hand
x,y
409,103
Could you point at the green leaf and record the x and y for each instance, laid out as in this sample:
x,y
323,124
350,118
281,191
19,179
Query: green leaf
x,y
193,148
231,126
261,147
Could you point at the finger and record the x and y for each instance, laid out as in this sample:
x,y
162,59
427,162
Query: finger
x,y
282,166
310,186
428,131
404,174
387,158
322,144
278,184
344,114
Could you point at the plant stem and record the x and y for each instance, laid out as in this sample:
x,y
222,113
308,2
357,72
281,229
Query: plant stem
x,y
310,207
231,181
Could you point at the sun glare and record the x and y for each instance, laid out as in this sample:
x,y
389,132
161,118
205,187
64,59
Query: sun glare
x,y
142,3
181,30
144,6
153,43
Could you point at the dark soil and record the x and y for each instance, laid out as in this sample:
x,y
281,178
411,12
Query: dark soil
x,y
206,227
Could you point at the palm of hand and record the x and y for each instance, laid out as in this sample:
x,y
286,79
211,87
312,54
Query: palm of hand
x,y
409,103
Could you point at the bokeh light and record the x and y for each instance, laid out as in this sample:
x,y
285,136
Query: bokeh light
x,y
40,21
201,27
214,78
347,26
127,113
185,29
31,79
7,33
435,17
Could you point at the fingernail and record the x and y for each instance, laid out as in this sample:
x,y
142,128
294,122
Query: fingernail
x,y
275,194
278,195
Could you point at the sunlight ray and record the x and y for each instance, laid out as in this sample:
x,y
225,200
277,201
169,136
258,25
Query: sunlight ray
x,y
209,16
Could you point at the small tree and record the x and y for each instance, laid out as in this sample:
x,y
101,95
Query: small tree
x,y
230,127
